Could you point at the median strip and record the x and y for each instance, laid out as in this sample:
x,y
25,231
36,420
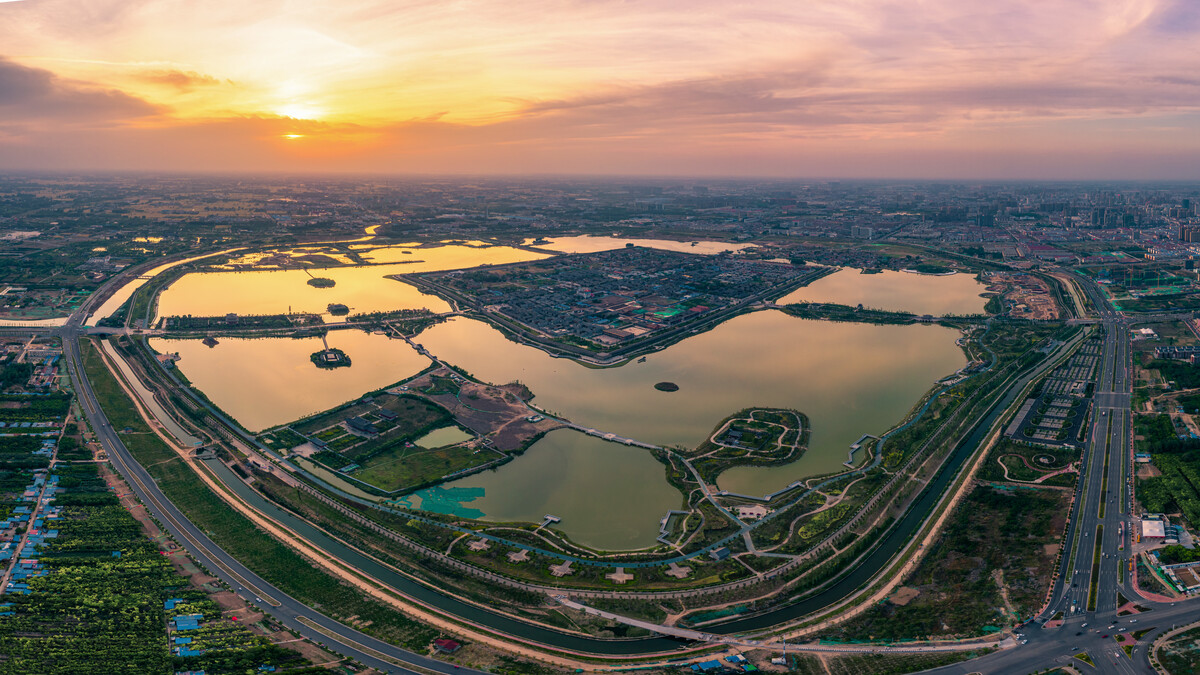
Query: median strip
x,y
374,653
1091,603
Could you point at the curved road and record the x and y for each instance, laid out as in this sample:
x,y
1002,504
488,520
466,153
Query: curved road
x,y
349,642
1045,646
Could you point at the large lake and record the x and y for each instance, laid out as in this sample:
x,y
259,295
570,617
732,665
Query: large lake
x,y
265,382
362,289
896,292
850,379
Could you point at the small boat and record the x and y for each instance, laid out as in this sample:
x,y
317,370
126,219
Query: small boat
x,y
642,360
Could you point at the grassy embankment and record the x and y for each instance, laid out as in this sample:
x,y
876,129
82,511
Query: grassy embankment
x,y
271,559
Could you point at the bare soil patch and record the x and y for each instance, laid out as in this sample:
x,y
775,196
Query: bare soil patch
x,y
903,596
498,412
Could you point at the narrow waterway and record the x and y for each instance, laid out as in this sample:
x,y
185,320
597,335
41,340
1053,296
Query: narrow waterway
x,y
148,400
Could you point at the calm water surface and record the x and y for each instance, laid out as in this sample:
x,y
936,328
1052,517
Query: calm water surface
x,y
270,381
896,292
850,379
609,496
458,255
362,289
122,294
439,438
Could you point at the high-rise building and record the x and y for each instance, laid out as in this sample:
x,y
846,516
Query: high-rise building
x,y
861,232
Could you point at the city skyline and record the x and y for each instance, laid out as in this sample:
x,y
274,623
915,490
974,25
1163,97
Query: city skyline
x,y
1019,90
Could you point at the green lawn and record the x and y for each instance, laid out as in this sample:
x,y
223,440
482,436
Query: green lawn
x,y
281,439
1181,654
399,467
108,391
330,433
415,418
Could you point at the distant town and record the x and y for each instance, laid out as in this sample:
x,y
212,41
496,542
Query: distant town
x,y
599,300
530,426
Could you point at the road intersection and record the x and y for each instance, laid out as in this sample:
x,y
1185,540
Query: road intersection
x,y
1097,548
1084,620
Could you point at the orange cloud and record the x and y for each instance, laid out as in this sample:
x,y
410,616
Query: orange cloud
x,y
180,80
36,96
824,87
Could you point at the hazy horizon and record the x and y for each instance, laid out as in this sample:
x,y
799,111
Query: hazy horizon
x,y
1018,90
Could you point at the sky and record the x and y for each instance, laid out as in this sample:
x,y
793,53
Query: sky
x,y
1003,89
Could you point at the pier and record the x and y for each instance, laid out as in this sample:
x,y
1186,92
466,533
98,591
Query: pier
x,y
855,447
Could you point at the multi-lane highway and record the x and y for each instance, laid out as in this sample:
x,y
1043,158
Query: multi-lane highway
x,y
1102,501
288,611
1101,514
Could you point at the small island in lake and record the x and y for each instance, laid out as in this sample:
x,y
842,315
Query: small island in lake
x,y
321,282
330,358
337,309
666,386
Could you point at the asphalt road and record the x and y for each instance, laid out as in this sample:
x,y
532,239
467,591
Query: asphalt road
x,y
1084,629
1042,648
352,644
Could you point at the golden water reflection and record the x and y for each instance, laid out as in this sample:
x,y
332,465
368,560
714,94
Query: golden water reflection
x,y
265,382
896,292
362,289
